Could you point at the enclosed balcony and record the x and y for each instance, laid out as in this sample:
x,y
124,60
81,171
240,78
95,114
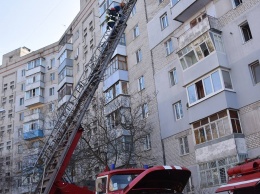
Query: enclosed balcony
x,y
182,10
33,134
34,81
66,63
34,97
198,27
33,129
116,103
116,70
33,116
35,66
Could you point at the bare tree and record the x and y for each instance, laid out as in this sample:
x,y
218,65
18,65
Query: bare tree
x,y
115,133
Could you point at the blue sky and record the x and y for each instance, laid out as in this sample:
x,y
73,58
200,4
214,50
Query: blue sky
x,y
34,23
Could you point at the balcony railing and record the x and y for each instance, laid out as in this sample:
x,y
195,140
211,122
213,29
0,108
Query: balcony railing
x,y
33,134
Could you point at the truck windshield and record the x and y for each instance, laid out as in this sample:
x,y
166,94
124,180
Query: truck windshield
x,y
118,182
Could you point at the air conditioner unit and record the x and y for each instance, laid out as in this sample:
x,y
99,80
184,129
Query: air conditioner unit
x,y
76,57
49,66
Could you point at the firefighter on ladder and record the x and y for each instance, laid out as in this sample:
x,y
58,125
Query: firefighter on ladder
x,y
113,14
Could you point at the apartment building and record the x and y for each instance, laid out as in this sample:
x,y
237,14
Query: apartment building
x,y
197,63
28,85
206,61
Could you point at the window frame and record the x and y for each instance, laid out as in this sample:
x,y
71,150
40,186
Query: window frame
x,y
136,31
169,46
183,146
245,39
255,79
141,83
178,110
139,56
173,78
164,21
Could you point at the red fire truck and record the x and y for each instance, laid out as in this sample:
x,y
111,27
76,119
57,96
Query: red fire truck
x,y
243,179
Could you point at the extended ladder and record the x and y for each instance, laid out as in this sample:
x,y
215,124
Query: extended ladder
x,y
50,164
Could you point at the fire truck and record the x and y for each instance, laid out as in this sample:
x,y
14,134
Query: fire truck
x,y
243,178
55,155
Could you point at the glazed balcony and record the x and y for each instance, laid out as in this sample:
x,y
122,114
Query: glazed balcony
x,y
199,26
117,102
35,116
36,84
182,10
66,63
39,69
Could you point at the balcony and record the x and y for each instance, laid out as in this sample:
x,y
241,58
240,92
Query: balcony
x,y
34,101
35,70
35,116
67,46
66,63
219,101
119,101
37,84
66,79
63,100
115,77
185,9
33,134
201,25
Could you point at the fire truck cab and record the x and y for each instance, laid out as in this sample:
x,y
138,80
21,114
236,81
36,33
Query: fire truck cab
x,y
243,179
158,179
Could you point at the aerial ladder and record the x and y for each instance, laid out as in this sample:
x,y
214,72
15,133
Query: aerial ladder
x,y
55,155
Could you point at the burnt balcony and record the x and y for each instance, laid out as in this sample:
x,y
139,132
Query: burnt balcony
x,y
182,10
199,26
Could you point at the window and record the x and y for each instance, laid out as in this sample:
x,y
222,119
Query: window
x,y
20,132
255,72
66,72
11,99
8,145
173,77
178,110
147,142
246,32
23,72
19,165
51,107
34,93
52,76
122,40
184,146
164,21
141,83
12,85
35,63
168,46
237,3
216,126
195,51
20,149
133,11
214,173
209,85
21,116
144,110
22,86
138,55
136,31
115,90
117,63
65,90
52,63
21,101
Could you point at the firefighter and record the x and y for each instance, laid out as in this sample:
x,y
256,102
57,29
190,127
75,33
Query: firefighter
x,y
111,18
113,14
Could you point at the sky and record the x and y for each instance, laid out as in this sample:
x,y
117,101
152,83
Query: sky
x,y
34,23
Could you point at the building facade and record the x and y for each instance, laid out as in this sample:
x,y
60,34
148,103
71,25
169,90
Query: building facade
x,y
196,61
